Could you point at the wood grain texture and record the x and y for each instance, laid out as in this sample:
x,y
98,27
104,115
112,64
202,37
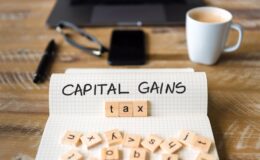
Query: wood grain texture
x,y
234,82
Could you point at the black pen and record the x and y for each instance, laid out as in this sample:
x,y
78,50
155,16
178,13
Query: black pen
x,y
45,63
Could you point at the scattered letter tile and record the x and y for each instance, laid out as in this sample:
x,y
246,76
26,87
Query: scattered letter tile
x,y
171,146
91,140
125,109
111,109
138,154
72,138
152,143
140,108
131,140
72,155
113,137
205,156
201,143
111,153
186,137
170,157
92,158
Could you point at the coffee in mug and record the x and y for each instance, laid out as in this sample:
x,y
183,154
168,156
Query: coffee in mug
x,y
207,30
208,17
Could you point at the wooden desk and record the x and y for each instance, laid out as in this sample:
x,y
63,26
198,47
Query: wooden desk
x,y
234,82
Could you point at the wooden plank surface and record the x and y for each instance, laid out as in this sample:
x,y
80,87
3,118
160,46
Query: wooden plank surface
x,y
234,82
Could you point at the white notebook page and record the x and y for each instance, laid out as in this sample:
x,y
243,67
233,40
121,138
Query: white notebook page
x,y
169,112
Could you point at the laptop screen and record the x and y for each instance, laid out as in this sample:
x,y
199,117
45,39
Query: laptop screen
x,y
78,2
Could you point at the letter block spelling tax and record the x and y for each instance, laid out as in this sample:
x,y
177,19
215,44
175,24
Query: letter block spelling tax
x,y
112,109
125,109
140,108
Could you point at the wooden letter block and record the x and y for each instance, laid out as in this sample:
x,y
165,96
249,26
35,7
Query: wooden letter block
x,y
152,143
140,108
111,153
125,109
138,154
72,138
72,155
201,143
186,137
111,109
171,146
205,156
91,140
170,157
131,140
113,137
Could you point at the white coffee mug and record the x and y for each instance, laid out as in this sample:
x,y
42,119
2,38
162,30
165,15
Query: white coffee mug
x,y
207,29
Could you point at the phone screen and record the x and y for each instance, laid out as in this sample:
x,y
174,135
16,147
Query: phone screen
x,y
127,47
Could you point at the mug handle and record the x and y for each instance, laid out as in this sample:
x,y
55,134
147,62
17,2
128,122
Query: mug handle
x,y
238,28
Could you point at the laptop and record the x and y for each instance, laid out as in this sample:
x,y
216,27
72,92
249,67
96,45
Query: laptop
x,y
121,12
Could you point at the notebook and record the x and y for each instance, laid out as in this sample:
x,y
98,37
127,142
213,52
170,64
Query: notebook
x,y
73,108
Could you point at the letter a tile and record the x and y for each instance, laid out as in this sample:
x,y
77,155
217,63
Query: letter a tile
x,y
125,109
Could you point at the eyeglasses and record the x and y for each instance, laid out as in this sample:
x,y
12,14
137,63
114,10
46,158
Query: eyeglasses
x,y
94,51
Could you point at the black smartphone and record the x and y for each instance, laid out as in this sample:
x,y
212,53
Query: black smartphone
x,y
127,48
